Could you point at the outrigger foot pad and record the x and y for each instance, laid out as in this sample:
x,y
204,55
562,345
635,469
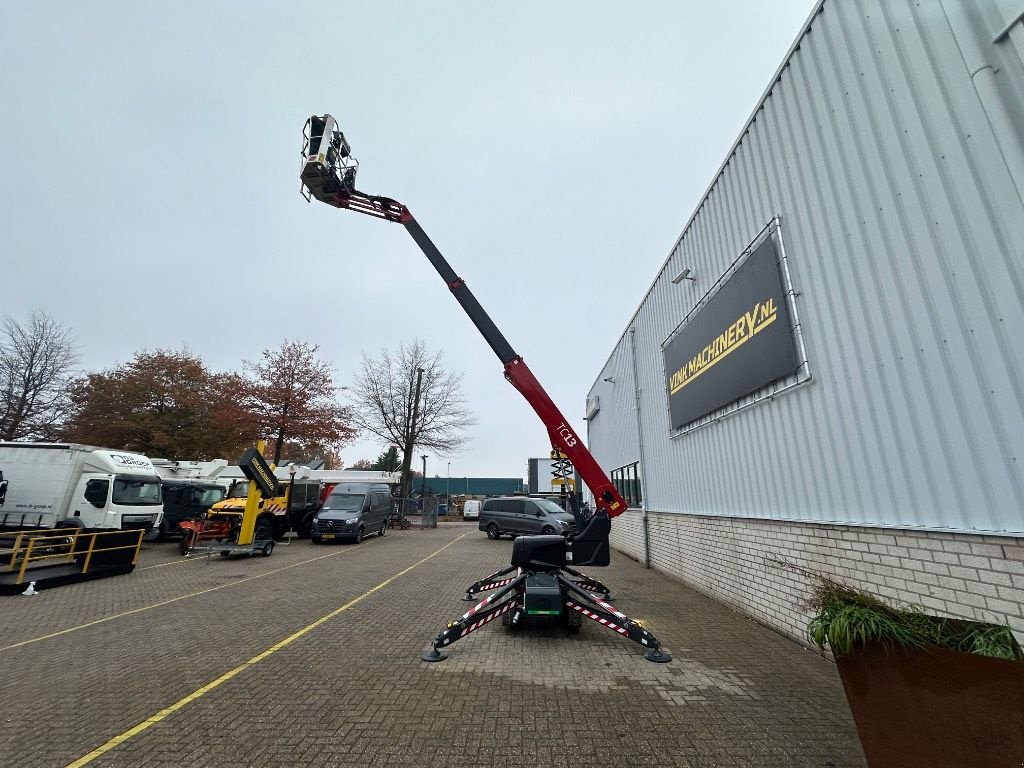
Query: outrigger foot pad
x,y
658,656
434,655
468,598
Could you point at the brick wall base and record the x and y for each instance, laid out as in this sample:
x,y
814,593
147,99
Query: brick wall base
x,y
735,561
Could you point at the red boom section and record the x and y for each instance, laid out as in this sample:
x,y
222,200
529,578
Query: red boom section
x,y
564,439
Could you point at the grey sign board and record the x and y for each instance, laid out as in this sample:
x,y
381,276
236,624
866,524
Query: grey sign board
x,y
738,342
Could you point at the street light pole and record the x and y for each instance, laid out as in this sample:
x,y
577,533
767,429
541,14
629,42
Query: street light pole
x,y
423,480
448,486
291,495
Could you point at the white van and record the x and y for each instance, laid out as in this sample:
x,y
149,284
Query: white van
x,y
471,510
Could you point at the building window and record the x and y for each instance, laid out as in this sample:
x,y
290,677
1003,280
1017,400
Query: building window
x,y
627,481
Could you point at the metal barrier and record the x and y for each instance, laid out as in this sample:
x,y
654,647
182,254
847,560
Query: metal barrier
x,y
66,556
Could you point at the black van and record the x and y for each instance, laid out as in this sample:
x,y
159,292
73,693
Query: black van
x,y
185,500
352,511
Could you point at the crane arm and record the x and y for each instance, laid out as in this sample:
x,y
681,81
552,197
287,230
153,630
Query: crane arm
x,y
328,174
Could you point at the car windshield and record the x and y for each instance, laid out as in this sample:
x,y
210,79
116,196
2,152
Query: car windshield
x,y
210,496
239,490
344,502
549,506
136,491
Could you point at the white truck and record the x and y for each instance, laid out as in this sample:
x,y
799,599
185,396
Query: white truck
x,y
62,485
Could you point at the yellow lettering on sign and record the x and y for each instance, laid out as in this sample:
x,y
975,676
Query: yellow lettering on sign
x,y
744,328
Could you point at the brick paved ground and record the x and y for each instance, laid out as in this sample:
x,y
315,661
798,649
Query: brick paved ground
x,y
352,691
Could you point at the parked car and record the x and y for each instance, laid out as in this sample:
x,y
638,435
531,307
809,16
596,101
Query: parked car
x,y
471,510
516,515
352,511
186,500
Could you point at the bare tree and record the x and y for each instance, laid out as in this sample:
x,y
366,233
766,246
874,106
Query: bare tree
x,y
35,364
384,394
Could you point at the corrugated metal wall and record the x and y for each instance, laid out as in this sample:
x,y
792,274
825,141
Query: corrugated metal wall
x,y
899,182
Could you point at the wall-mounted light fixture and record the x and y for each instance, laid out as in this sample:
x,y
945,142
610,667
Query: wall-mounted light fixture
x,y
609,379
684,275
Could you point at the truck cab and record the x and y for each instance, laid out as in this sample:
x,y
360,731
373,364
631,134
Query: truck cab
x,y
124,495
61,485
274,519
187,500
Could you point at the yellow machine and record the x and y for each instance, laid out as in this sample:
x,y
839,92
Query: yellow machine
x,y
259,520
245,522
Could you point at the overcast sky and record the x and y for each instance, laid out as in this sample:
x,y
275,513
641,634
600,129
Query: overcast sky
x,y
149,194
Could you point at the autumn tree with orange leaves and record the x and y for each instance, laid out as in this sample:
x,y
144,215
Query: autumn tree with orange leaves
x,y
295,403
162,404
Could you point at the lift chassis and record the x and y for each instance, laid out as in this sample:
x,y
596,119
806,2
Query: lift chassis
x,y
541,580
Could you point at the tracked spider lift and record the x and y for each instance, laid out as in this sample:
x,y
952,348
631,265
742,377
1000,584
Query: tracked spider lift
x,y
542,580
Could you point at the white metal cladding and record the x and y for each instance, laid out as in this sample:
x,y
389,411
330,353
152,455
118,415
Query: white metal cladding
x,y
898,178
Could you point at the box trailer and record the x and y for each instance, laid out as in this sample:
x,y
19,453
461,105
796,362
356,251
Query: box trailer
x,y
60,485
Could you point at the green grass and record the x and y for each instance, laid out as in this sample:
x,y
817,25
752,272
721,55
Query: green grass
x,y
846,619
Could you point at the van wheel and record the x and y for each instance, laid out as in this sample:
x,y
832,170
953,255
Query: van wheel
x,y
359,534
493,532
383,527
547,530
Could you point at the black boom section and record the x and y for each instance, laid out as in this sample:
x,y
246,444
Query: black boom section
x,y
462,294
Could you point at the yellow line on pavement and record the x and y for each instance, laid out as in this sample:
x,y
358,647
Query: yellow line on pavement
x,y
181,703
176,562
167,602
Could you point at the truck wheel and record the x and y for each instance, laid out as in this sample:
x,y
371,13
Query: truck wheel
x,y
264,530
493,532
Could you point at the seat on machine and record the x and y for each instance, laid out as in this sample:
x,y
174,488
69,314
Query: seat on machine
x,y
543,552
590,546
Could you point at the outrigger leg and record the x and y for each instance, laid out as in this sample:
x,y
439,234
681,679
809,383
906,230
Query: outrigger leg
x,y
480,614
494,581
588,583
576,599
605,614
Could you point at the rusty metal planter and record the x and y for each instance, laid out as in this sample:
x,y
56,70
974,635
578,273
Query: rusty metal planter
x,y
931,707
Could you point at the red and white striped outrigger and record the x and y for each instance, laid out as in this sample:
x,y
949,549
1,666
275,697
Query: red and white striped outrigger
x,y
509,602
500,579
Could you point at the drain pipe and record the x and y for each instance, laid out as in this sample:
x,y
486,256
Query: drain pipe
x,y
983,76
640,445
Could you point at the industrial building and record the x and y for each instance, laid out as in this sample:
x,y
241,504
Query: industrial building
x,y
827,373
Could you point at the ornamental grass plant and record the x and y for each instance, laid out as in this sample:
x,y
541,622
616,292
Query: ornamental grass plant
x,y
847,619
